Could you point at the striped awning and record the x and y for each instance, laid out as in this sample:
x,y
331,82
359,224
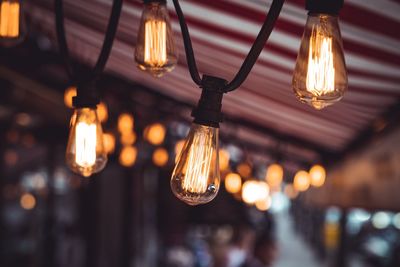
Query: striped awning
x,y
222,32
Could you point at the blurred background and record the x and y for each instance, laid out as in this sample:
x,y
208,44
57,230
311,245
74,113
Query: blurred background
x,y
299,187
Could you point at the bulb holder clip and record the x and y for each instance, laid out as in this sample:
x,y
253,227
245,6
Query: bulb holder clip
x,y
208,110
86,97
331,7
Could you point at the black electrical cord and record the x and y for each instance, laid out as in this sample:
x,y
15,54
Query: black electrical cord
x,y
105,50
252,56
191,61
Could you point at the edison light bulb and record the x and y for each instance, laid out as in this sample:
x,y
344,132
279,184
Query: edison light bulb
x,y
195,179
86,153
12,23
320,75
155,50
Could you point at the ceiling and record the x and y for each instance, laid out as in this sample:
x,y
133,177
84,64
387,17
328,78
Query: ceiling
x,y
222,32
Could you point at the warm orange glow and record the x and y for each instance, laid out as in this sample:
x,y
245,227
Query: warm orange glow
x,y
290,192
249,191
102,112
253,191
244,169
155,133
127,156
27,201
125,123
9,19
178,148
274,175
155,43
128,138
301,181
109,143
160,157
318,175
233,183
264,204
223,160
69,93
321,72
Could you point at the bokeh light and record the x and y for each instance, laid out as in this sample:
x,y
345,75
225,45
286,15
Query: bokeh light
x,y
160,157
102,112
109,143
155,133
223,159
27,201
301,181
233,183
127,156
274,175
317,175
69,93
125,123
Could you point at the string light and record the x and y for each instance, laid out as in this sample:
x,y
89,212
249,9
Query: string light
x,y
317,175
155,133
27,201
160,157
127,156
301,181
125,123
155,47
320,77
195,179
233,183
12,22
86,153
274,175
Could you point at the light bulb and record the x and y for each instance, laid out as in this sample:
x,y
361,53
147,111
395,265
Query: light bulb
x,y
86,153
301,181
196,178
320,75
12,23
274,175
155,50
317,175
233,183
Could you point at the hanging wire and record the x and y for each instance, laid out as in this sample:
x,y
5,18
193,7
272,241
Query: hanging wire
x,y
105,50
252,56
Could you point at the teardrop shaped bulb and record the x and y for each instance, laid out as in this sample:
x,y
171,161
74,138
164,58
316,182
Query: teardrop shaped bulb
x,y
12,23
85,152
196,178
320,75
155,50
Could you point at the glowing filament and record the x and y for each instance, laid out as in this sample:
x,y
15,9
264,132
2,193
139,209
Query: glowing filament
x,y
9,19
198,165
321,73
155,43
85,139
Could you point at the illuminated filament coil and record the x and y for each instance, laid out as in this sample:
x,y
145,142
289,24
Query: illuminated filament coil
x,y
320,73
198,165
85,144
155,45
9,19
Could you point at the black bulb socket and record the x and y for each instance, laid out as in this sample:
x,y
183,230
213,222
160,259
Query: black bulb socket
x,y
86,97
330,7
208,110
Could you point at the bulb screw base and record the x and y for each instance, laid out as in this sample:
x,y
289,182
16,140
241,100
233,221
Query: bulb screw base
x,y
86,97
331,7
208,110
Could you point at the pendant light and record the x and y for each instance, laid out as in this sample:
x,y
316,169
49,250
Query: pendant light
x,y
155,50
12,23
85,153
196,176
320,75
